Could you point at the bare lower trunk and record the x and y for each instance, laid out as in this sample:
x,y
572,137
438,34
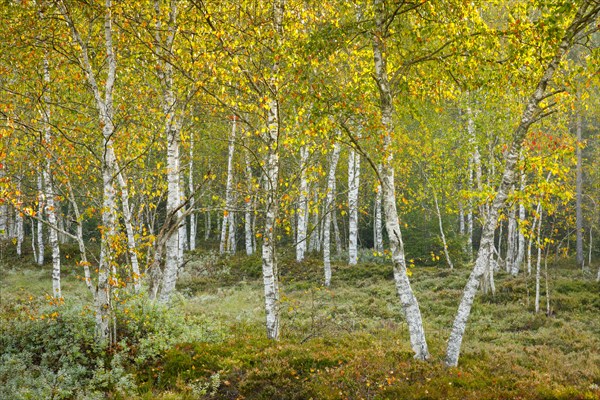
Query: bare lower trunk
x,y
329,209
192,201
530,115
40,224
539,261
19,231
182,231
249,233
48,194
271,178
173,125
353,185
302,208
224,246
378,224
3,210
172,256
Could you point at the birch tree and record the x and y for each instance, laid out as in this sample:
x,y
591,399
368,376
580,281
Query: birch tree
x,y
328,211
408,300
534,111
228,226
173,123
302,208
353,185
105,108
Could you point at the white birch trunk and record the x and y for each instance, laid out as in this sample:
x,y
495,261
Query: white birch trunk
x,y
182,231
271,169
19,231
539,259
192,202
530,115
48,193
353,185
106,119
40,224
302,207
3,210
521,235
248,232
408,300
173,256
172,252
474,176
329,209
224,246
378,225
3,214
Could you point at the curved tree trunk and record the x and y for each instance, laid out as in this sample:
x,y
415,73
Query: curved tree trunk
x,y
329,209
531,114
409,303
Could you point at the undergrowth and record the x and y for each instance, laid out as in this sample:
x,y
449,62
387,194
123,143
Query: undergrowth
x,y
348,341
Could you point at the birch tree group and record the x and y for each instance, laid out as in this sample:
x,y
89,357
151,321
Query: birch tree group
x,y
180,125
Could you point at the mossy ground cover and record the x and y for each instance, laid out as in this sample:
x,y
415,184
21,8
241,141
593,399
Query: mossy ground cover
x,y
346,341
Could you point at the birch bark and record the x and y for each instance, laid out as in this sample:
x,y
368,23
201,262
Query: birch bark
x,y
40,224
271,138
521,235
538,241
192,201
378,225
48,194
353,185
3,211
408,300
19,232
248,232
226,228
329,209
302,208
173,125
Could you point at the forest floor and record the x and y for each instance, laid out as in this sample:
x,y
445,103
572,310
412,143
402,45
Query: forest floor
x,y
348,341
